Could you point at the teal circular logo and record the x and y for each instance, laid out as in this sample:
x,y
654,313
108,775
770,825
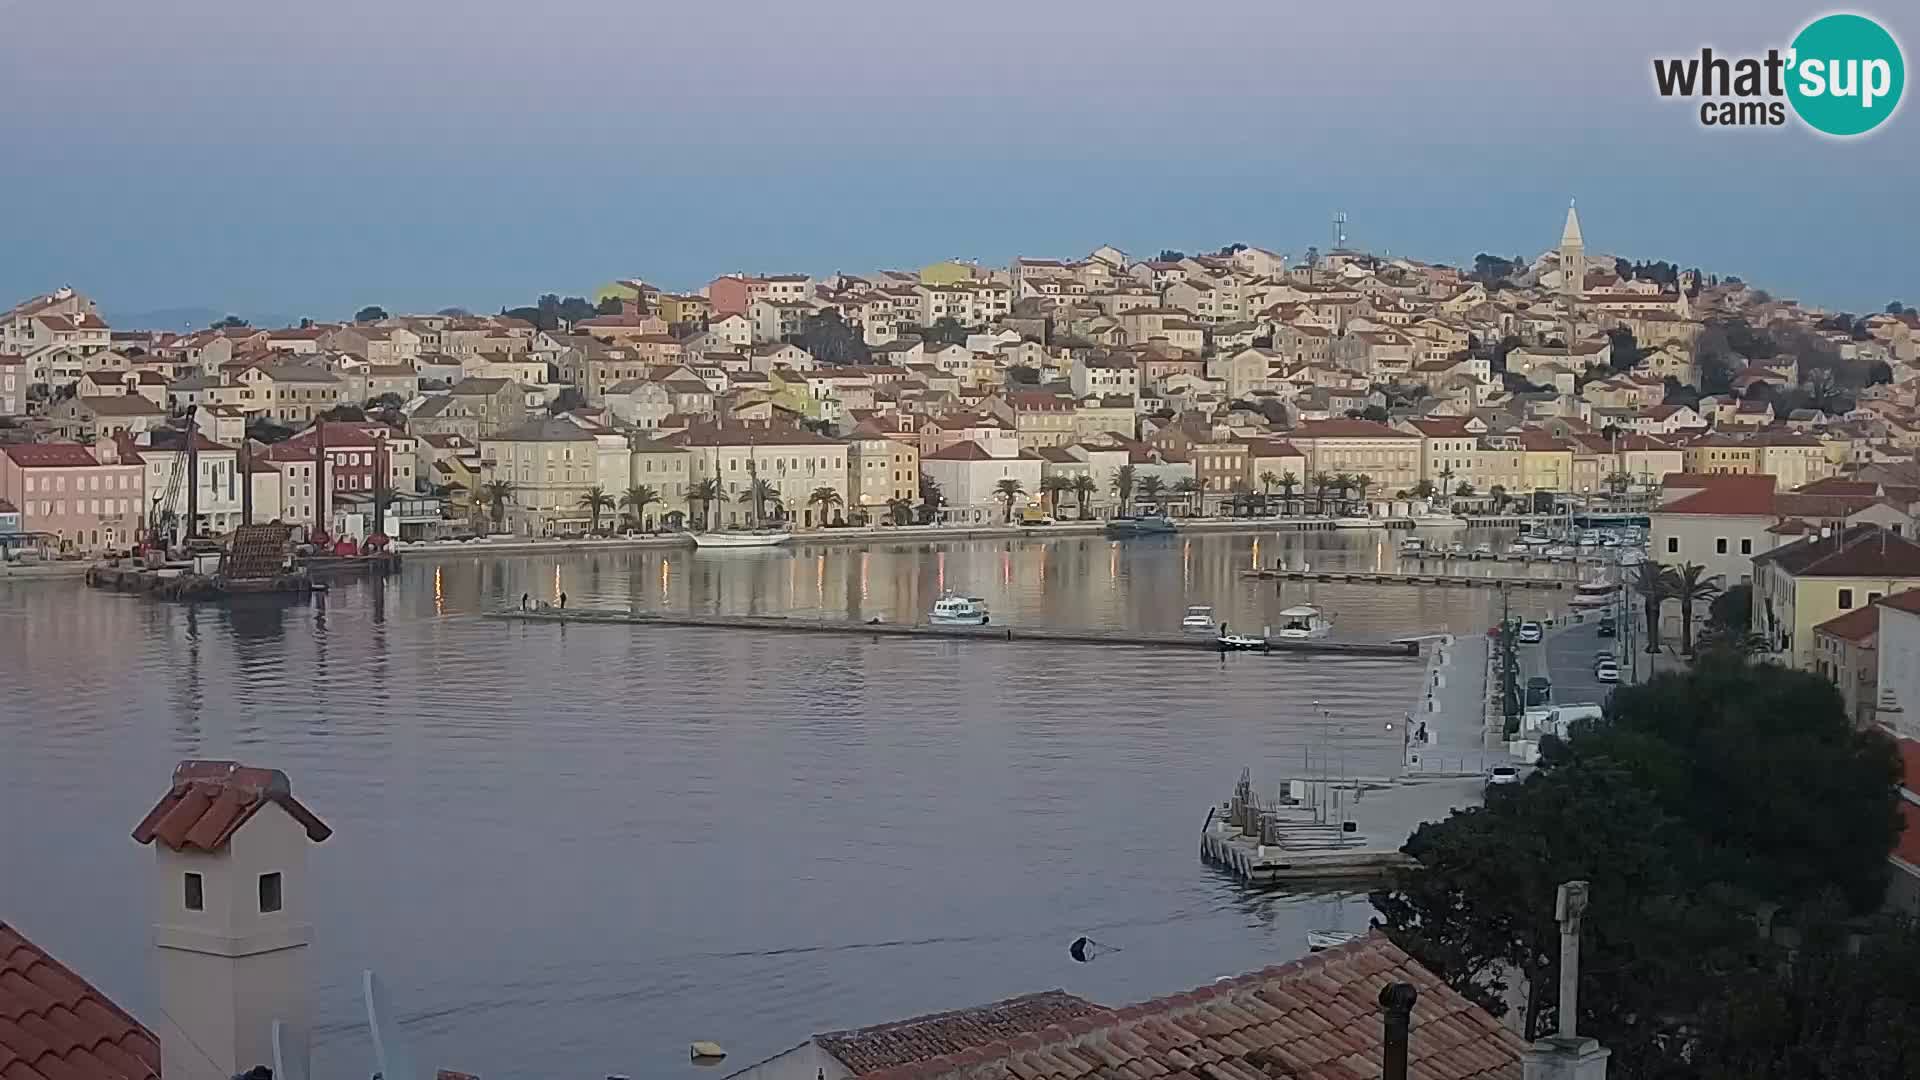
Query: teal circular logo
x,y
1846,76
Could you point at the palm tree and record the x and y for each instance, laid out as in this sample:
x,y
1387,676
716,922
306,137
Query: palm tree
x,y
496,494
760,493
1123,487
704,495
1423,490
1655,583
1288,482
1322,483
1243,500
1691,586
1189,489
1052,487
1463,490
635,501
1084,489
1008,490
900,509
1446,474
1268,481
593,502
1343,483
1361,484
827,498
1151,488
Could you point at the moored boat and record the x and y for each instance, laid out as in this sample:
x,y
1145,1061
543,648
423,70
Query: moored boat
x,y
1303,623
956,610
1357,522
1199,620
1595,592
1150,525
742,538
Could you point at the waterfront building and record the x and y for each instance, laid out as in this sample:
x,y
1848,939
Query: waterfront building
x,y
881,467
1806,583
795,464
969,475
552,464
71,498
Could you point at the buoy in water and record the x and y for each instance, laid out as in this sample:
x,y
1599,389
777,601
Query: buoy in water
x,y
708,1051
1084,949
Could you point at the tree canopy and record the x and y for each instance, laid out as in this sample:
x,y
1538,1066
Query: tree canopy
x,y
830,340
1704,803
370,313
550,311
231,322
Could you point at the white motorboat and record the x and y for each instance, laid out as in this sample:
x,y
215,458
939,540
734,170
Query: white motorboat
x,y
956,610
1438,521
1240,642
742,538
1199,620
1322,940
1534,540
1413,545
1357,522
1303,623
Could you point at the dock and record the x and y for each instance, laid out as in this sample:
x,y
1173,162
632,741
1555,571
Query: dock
x,y
1377,577
1345,829
989,633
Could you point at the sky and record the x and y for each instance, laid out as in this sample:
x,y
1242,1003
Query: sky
x,y
304,159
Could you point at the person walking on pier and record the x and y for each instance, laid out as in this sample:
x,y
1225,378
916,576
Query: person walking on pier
x,y
524,597
563,601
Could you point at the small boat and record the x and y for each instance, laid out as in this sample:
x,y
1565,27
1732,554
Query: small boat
x,y
1595,592
956,610
1322,940
1357,522
1199,620
743,538
1535,540
1240,642
1303,623
1413,545
1123,527
1438,521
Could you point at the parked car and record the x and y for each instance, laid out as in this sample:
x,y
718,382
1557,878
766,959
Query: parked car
x,y
1608,628
1502,775
1607,672
1531,633
1539,691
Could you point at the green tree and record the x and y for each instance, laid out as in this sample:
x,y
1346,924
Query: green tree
x,y
1085,487
1362,483
760,496
1377,413
595,502
496,494
370,313
831,340
635,501
1730,614
1463,490
1288,484
931,499
231,322
1123,487
1423,490
1151,488
826,497
1007,491
1192,493
706,494
900,509
1656,584
1691,586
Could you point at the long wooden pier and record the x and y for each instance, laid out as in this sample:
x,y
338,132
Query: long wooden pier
x,y
989,633
1375,577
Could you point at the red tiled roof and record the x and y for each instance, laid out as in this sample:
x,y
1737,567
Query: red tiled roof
x,y
210,800
54,1026
1859,551
1907,600
1318,1017
1751,495
904,1042
1856,626
1346,429
965,450
52,455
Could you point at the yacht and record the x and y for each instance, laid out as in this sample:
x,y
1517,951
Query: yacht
x,y
956,610
1199,620
742,538
1432,520
1303,623
1357,522
1150,525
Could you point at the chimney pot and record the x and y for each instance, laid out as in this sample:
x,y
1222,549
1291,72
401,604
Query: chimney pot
x,y
1396,1000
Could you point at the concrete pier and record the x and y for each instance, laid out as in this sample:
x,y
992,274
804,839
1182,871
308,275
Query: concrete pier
x,y
1056,635
1376,577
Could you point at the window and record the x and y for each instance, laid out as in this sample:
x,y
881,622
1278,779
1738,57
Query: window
x,y
1720,546
1673,545
196,896
1846,599
1873,598
270,892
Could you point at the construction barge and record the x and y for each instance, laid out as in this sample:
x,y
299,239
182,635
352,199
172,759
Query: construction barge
x,y
1059,636
1305,835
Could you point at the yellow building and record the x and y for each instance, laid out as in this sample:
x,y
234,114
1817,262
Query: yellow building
x,y
880,468
1804,584
689,310
1389,459
947,272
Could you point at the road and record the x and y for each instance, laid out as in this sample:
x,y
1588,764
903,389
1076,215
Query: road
x,y
1566,657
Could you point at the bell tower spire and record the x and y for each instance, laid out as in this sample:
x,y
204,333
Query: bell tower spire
x,y
1573,252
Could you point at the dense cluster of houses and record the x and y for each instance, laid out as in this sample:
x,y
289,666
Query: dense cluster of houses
x,y
1215,382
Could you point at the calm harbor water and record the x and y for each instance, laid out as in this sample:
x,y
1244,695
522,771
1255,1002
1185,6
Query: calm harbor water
x,y
574,849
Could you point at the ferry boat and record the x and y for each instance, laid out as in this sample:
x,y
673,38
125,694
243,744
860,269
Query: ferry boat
x,y
1121,528
743,538
1303,623
1199,620
1595,592
956,610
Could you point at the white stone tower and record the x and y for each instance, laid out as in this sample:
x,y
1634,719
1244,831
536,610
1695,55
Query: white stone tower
x,y
230,933
1573,257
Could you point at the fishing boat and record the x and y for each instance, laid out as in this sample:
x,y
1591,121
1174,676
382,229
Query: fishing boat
x,y
1199,620
742,538
1124,527
1303,623
1322,940
956,610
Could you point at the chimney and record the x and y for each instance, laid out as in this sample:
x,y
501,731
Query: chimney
x,y
1396,1004
230,939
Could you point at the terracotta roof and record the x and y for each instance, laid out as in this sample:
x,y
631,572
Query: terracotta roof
x,y
904,1042
1907,848
1907,601
966,450
1856,626
1861,551
55,1026
52,455
1753,496
1346,429
1317,1018
210,800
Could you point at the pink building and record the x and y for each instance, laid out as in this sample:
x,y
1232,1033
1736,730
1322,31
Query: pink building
x,y
67,495
733,293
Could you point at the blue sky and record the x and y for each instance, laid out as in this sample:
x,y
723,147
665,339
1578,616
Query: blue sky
x,y
267,156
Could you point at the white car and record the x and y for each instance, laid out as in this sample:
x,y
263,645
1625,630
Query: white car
x,y
1530,633
1502,775
1607,672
